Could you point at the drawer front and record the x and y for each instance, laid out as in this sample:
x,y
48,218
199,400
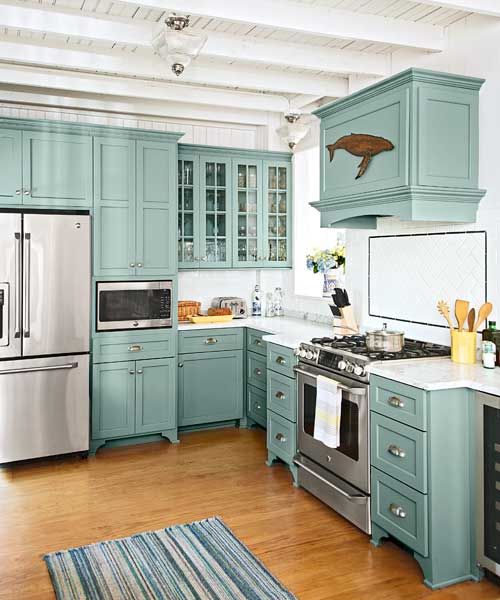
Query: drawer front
x,y
400,451
256,370
256,405
282,395
400,510
117,348
281,359
404,403
281,436
255,343
210,340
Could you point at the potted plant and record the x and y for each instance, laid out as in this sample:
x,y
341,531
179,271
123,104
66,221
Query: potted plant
x,y
331,263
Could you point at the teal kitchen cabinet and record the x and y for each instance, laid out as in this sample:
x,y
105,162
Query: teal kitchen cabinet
x,y
188,207
422,474
417,135
256,378
11,175
155,393
277,214
210,387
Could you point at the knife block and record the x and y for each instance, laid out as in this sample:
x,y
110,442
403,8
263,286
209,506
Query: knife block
x,y
348,324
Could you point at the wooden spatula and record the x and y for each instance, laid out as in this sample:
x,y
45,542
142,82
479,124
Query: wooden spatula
x,y
461,311
471,319
483,313
444,309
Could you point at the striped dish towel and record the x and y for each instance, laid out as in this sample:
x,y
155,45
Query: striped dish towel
x,y
328,411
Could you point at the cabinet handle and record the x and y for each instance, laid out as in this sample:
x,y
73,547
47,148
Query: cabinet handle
x,y
396,402
280,360
27,192
396,451
281,438
18,192
132,372
135,348
397,511
181,365
132,265
211,341
140,372
139,265
258,342
280,395
258,372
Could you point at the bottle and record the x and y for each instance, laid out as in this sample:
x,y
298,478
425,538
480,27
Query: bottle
x,y
278,303
256,304
489,353
269,304
489,332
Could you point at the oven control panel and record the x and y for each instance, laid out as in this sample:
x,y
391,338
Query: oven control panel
x,y
333,361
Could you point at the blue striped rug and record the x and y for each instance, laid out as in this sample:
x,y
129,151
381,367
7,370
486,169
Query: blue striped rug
x,y
198,561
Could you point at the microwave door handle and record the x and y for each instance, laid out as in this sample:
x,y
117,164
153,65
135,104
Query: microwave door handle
x,y
353,391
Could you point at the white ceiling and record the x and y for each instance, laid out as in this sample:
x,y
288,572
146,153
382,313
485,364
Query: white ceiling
x,y
260,54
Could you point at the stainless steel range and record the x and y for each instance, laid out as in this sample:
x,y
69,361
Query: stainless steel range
x,y
340,476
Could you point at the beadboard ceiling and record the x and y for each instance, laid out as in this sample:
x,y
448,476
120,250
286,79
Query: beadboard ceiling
x,y
264,55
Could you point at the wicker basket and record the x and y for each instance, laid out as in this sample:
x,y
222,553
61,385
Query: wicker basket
x,y
186,308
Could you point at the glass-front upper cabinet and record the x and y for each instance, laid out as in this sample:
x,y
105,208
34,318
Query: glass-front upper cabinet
x,y
277,214
188,212
215,213
247,188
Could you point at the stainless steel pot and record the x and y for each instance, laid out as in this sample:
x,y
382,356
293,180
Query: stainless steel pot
x,y
385,340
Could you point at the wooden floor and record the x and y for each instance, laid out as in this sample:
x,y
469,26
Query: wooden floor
x,y
62,503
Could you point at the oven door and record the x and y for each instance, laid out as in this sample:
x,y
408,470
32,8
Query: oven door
x,y
350,461
133,305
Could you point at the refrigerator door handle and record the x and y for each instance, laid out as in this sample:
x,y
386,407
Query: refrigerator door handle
x,y
17,286
27,283
72,365
4,314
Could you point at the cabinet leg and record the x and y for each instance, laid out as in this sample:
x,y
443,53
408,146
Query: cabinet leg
x,y
439,573
249,423
171,435
244,423
95,445
378,534
271,457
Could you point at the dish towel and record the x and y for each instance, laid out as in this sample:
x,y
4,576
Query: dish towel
x,y
328,411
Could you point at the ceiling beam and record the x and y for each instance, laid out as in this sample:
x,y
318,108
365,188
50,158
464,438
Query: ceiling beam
x,y
480,7
129,64
312,20
219,45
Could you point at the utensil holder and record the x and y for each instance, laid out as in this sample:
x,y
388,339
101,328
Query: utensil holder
x,y
464,347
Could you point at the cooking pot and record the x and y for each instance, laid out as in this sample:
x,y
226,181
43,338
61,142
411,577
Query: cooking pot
x,y
385,340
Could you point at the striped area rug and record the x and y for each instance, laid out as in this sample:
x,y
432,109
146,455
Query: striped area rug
x,y
198,561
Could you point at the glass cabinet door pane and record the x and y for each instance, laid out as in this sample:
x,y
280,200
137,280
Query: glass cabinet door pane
x,y
242,176
252,201
188,229
210,225
252,226
242,202
242,226
221,175
252,176
210,174
282,232
282,202
221,200
188,172
210,200
188,199
221,226
215,207
186,219
282,178
282,253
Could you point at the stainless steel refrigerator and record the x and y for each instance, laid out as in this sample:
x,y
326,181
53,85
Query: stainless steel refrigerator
x,y
44,334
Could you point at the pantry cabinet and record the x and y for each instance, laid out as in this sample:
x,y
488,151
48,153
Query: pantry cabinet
x,y
235,208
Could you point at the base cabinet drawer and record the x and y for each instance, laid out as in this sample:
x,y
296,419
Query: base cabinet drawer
x,y
256,405
210,340
255,343
281,436
400,510
138,346
282,397
399,450
256,370
281,359
398,401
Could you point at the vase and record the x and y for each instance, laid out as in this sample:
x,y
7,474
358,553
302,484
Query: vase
x,y
331,280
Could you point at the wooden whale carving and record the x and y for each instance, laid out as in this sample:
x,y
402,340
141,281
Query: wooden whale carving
x,y
361,144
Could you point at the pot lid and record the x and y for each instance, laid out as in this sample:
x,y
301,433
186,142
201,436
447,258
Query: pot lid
x,y
384,331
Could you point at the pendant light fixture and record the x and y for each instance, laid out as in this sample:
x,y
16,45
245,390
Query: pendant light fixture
x,y
175,45
294,131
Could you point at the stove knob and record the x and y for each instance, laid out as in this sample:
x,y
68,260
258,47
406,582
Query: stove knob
x,y
359,371
350,367
302,353
342,365
316,355
309,355
297,352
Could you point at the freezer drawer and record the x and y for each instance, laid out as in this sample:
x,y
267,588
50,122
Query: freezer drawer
x,y
44,407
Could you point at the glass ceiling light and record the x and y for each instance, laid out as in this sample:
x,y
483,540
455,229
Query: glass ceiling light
x,y
175,45
293,132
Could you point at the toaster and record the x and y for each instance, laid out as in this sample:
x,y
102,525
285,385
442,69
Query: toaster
x,y
238,306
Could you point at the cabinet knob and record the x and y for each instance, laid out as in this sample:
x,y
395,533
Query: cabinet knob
x,y
132,265
132,372
397,511
396,451
181,365
18,192
139,265
396,402
27,192
280,395
258,406
140,372
258,342
281,438
280,360
258,372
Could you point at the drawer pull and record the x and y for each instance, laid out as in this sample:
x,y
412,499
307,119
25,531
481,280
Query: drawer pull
x,y
280,395
281,438
211,341
135,348
280,360
396,402
396,451
397,511
257,342
258,372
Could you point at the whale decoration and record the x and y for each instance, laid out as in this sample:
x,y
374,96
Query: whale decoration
x,y
361,144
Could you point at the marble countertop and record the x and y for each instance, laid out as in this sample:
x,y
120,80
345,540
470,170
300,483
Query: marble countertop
x,y
440,374
283,331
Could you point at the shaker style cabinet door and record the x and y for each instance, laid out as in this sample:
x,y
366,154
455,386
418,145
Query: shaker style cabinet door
x,y
57,169
113,400
155,211
277,211
114,204
156,401
215,213
11,173
188,212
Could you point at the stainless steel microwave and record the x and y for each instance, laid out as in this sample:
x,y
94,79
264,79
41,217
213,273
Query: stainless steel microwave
x,y
132,305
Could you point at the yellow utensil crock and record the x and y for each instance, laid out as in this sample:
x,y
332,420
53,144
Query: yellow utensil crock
x,y
463,347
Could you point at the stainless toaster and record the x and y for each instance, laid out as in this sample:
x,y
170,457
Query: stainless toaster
x,y
238,306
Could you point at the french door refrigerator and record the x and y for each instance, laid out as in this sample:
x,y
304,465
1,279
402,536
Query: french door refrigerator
x,y
44,334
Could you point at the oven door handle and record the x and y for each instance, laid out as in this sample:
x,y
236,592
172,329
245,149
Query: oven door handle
x,y
352,390
356,499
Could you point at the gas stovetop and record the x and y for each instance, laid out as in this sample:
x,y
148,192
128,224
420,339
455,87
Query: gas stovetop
x,y
350,355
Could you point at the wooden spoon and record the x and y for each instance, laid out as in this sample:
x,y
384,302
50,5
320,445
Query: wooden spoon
x,y
461,310
483,314
444,309
471,318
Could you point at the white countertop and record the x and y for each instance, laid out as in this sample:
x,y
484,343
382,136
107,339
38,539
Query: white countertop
x,y
440,374
283,331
